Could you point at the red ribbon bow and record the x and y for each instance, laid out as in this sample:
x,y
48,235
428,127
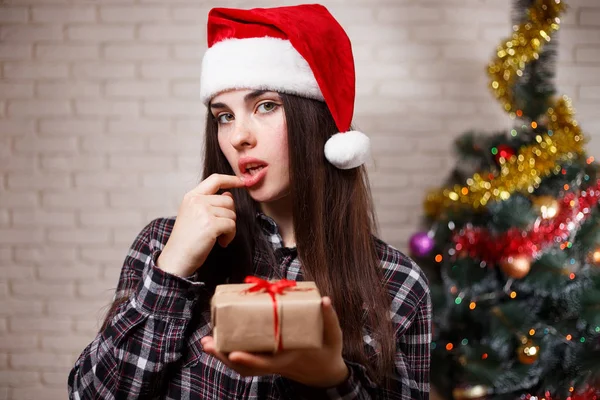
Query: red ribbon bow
x,y
273,289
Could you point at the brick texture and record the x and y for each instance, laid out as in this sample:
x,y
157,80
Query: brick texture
x,y
101,131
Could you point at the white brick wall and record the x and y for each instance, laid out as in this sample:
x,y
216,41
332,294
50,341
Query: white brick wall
x,y
101,129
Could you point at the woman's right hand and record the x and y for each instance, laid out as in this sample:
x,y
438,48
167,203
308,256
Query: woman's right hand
x,y
203,219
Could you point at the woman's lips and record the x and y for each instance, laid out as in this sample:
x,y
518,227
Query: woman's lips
x,y
253,170
253,176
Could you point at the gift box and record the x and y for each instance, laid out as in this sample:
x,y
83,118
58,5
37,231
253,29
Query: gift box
x,y
263,316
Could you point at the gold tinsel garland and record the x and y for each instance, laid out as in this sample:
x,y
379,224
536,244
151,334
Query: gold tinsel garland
x,y
523,47
524,171
520,173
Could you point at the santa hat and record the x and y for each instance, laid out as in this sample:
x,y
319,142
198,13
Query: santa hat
x,y
300,50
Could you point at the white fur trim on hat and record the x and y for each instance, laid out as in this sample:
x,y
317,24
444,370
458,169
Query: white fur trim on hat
x,y
348,150
264,63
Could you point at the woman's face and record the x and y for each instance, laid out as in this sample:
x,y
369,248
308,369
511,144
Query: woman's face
x,y
252,134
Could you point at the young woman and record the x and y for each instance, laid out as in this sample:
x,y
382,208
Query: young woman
x,y
285,195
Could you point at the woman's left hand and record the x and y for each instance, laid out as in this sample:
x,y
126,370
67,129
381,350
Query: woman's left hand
x,y
322,367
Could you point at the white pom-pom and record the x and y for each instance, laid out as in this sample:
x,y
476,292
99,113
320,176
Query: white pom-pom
x,y
348,150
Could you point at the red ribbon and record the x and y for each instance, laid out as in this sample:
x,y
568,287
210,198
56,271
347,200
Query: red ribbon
x,y
273,289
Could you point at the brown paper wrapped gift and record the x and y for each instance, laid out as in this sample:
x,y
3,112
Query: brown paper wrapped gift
x,y
266,317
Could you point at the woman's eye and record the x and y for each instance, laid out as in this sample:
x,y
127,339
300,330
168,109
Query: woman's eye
x,y
225,118
266,107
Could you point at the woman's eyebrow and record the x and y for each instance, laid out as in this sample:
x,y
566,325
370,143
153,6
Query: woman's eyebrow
x,y
253,95
247,98
218,105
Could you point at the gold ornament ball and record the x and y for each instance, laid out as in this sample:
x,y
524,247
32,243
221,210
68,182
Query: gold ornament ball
x,y
528,353
516,267
546,206
596,257
470,392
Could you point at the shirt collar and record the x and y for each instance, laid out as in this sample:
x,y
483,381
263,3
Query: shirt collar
x,y
270,230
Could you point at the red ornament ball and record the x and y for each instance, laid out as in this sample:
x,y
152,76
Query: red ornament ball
x,y
504,151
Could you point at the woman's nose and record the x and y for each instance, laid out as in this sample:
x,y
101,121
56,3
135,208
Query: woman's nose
x,y
242,136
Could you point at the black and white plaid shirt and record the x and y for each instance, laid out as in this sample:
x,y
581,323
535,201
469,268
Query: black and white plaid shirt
x,y
151,347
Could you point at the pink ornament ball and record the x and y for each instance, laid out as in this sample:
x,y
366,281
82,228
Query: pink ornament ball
x,y
420,244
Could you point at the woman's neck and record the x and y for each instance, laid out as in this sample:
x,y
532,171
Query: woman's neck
x,y
281,212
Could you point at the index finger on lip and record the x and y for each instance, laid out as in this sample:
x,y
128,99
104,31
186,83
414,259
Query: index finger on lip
x,y
215,182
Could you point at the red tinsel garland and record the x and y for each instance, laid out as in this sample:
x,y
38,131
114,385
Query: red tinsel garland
x,y
590,393
480,244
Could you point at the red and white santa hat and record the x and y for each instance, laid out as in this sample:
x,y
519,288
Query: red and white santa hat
x,y
299,50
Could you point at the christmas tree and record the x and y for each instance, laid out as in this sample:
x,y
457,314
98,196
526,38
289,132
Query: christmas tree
x,y
512,242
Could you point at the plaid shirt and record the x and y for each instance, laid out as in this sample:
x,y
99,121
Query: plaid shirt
x,y
151,347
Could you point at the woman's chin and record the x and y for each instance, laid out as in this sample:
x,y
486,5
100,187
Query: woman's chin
x,y
265,195
259,194
261,197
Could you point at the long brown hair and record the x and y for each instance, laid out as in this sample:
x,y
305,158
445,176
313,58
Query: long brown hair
x,y
334,236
